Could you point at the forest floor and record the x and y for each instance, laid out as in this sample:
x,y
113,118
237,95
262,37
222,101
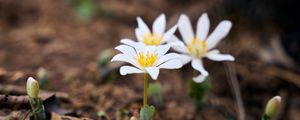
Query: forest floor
x,y
46,34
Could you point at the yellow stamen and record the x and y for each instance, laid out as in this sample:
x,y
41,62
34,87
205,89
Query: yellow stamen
x,y
197,47
152,39
146,60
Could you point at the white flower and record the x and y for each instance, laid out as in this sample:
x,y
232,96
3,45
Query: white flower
x,y
200,45
146,59
156,37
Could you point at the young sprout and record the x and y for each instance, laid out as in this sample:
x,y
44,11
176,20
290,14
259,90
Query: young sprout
x,y
133,118
42,75
155,93
198,92
85,9
104,58
156,37
36,103
200,45
272,108
102,114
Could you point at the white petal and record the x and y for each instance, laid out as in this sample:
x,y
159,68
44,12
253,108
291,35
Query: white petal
x,y
120,57
128,50
153,72
171,64
125,58
185,59
139,47
214,51
200,78
198,65
150,49
176,44
202,27
174,41
218,34
162,50
142,26
124,70
168,35
159,25
166,57
185,28
181,49
138,34
128,42
219,57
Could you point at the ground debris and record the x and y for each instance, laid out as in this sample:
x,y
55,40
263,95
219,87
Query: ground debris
x,y
55,116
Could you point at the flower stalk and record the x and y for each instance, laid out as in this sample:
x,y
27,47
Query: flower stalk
x,y
146,77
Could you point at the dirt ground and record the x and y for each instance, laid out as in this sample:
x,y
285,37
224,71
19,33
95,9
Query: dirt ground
x,y
44,33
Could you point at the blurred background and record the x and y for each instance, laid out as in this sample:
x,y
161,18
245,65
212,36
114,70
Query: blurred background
x,y
65,38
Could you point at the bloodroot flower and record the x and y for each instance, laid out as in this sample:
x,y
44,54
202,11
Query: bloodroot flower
x,y
156,37
146,59
200,45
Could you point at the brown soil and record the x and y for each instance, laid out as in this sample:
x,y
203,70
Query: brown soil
x,y
44,33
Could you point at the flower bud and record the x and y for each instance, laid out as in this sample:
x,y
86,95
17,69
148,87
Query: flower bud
x,y
133,118
273,106
42,76
32,88
104,57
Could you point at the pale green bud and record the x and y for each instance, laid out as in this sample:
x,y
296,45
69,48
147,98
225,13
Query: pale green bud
x,y
133,118
42,74
273,106
104,57
32,88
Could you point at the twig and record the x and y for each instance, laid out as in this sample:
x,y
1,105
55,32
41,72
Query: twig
x,y
232,79
14,102
12,89
26,115
18,90
284,74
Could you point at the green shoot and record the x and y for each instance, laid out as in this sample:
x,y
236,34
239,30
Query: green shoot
x,y
147,112
38,110
155,93
198,92
43,78
104,58
85,9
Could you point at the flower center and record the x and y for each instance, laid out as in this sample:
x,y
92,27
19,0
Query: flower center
x,y
152,39
146,60
197,47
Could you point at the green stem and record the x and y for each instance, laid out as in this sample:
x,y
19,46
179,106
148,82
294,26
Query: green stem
x,y
38,110
266,117
146,89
